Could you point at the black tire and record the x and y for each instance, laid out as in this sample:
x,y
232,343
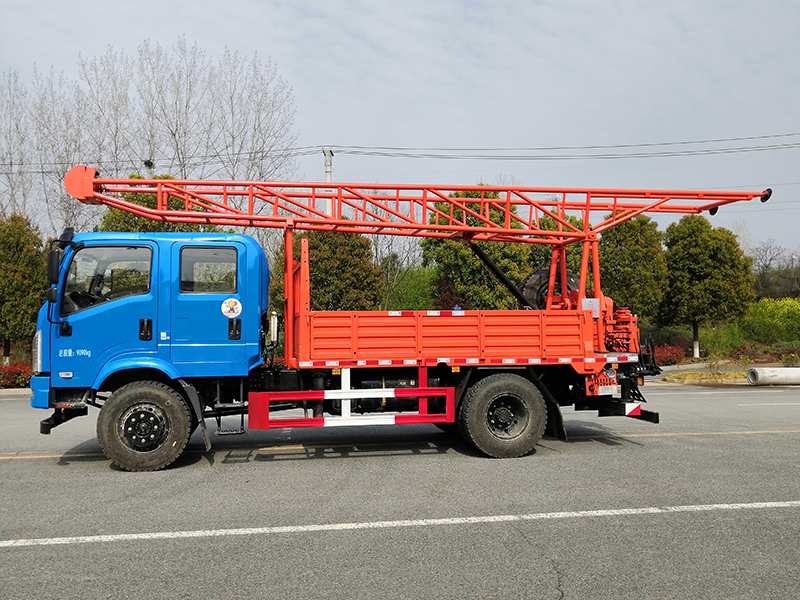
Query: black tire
x,y
144,426
534,287
503,415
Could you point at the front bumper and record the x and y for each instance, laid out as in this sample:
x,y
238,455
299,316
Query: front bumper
x,y
40,388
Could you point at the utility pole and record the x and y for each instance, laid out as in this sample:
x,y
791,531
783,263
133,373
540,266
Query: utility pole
x,y
328,164
328,177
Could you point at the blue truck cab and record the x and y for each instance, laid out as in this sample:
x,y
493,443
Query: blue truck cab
x,y
167,308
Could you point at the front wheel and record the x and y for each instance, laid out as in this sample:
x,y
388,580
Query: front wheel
x,y
503,415
144,426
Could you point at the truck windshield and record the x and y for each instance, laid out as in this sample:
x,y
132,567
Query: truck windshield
x,y
100,274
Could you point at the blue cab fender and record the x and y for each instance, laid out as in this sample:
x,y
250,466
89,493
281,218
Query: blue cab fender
x,y
132,364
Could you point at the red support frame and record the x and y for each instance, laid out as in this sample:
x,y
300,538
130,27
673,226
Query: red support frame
x,y
258,407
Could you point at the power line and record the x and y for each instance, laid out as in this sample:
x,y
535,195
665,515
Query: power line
x,y
431,154
556,148
508,154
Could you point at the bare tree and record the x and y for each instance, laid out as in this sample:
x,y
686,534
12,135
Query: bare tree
x,y
742,231
110,114
232,119
176,103
58,145
767,257
15,150
175,112
252,116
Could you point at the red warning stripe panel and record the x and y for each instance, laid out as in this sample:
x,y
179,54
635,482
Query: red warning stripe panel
x,y
411,419
563,360
445,313
615,358
632,409
259,418
287,423
289,396
417,392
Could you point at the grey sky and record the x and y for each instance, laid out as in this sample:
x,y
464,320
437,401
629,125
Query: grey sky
x,y
482,74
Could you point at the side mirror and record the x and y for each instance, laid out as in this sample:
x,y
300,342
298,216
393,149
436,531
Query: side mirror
x,y
52,294
53,260
66,237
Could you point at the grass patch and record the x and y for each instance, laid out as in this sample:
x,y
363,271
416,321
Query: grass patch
x,y
693,376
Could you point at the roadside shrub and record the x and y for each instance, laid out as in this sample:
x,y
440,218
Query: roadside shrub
x,y
772,320
667,336
790,360
792,347
669,355
17,375
723,340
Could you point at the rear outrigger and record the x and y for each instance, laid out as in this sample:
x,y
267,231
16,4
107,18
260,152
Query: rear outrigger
x,y
163,331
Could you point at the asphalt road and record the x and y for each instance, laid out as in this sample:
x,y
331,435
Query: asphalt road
x,y
704,505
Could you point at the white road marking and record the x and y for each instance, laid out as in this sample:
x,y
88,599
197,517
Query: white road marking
x,y
204,533
772,404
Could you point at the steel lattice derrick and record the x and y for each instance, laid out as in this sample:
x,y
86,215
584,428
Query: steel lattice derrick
x,y
499,213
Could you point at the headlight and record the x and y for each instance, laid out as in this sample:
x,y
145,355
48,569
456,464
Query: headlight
x,y
36,351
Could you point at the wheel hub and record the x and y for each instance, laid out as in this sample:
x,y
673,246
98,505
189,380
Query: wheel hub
x,y
503,416
506,417
145,427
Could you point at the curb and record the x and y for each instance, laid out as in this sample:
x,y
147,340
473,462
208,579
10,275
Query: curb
x,y
686,367
15,392
709,381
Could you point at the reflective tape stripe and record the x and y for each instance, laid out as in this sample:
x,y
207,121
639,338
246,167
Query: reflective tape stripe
x,y
413,362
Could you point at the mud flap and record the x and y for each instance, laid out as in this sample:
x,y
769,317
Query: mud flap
x,y
194,401
555,420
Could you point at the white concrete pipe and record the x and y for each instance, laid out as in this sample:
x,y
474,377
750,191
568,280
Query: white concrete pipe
x,y
773,376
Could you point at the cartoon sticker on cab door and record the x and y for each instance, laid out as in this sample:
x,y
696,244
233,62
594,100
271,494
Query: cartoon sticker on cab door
x,y
231,308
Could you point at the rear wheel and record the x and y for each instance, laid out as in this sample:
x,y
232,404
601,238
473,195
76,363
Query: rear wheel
x,y
503,415
144,426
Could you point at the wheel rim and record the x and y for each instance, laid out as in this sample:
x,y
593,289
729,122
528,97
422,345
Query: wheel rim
x,y
144,427
507,416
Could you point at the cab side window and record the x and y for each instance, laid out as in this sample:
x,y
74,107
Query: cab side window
x,y
208,270
99,274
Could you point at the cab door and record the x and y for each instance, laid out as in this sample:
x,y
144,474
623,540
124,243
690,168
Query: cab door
x,y
207,317
107,309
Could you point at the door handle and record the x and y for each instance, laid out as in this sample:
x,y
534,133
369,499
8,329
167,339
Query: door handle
x,y
146,329
234,329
